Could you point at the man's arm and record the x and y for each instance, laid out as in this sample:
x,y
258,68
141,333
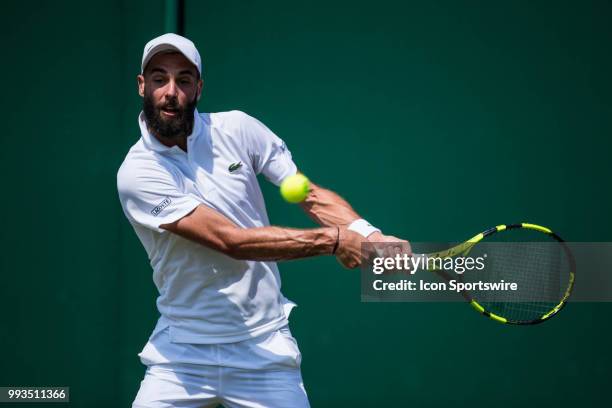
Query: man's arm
x,y
327,208
208,227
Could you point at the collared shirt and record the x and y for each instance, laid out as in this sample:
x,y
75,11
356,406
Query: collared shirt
x,y
205,296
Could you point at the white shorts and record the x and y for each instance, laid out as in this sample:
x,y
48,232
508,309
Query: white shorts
x,y
259,372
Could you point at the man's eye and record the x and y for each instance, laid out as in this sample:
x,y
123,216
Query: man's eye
x,y
185,81
158,80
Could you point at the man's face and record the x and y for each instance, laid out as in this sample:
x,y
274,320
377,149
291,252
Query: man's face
x,y
170,88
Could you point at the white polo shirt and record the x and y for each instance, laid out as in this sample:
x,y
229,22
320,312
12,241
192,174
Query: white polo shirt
x,y
206,297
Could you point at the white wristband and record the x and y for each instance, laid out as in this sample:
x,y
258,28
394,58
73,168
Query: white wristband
x,y
363,228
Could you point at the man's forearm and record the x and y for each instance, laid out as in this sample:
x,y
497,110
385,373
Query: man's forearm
x,y
208,227
277,244
327,208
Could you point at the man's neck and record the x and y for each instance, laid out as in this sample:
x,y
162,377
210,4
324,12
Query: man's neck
x,y
180,141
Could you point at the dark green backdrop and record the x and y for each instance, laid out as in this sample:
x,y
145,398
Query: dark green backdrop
x,y
435,119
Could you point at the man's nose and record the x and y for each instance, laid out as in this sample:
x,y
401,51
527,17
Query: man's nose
x,y
171,89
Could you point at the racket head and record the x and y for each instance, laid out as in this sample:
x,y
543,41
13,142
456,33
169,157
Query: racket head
x,y
534,257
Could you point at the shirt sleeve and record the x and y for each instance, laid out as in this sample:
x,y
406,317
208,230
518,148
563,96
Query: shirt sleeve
x,y
269,154
151,195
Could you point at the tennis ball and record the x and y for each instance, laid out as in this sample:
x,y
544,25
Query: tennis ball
x,y
295,188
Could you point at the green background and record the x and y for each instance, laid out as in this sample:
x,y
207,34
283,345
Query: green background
x,y
435,119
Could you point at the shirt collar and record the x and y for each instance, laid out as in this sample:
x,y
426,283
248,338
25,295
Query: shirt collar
x,y
151,141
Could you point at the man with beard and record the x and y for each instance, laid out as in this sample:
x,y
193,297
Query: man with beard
x,y
189,189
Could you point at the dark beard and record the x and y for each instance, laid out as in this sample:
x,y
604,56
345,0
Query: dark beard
x,y
179,126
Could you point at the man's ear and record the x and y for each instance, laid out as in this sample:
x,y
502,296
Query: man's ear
x,y
200,86
141,84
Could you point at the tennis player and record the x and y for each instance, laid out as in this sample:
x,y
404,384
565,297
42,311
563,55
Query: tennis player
x,y
189,188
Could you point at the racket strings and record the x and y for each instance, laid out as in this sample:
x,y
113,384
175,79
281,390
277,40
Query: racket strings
x,y
540,271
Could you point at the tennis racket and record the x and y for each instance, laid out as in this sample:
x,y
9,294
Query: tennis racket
x,y
535,258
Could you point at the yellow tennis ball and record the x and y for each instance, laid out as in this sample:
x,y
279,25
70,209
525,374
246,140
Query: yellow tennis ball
x,y
295,188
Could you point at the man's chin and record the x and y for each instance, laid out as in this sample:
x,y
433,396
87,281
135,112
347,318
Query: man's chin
x,y
168,120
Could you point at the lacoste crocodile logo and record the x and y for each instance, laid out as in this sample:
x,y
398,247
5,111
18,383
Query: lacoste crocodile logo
x,y
234,166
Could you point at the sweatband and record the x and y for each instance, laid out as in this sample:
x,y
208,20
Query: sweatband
x,y
363,228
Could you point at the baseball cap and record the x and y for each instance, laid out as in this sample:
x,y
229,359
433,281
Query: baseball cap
x,y
171,42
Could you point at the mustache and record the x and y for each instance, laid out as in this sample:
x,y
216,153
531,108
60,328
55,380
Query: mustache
x,y
173,104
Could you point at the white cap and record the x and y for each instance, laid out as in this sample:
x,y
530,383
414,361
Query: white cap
x,y
171,42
